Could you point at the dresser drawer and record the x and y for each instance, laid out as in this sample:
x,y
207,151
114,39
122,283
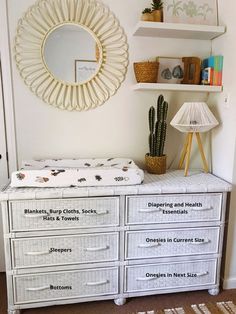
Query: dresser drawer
x,y
67,213
170,276
65,285
35,252
177,242
173,208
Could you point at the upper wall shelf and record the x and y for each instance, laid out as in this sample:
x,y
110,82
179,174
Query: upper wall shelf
x,y
171,30
178,87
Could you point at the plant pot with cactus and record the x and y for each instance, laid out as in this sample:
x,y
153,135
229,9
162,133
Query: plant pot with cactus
x,y
156,159
157,10
147,15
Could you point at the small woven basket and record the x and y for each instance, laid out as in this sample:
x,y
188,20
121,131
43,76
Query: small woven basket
x,y
146,72
155,165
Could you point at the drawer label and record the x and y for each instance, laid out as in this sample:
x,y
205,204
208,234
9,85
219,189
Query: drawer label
x,y
174,208
55,250
171,275
60,214
175,240
52,287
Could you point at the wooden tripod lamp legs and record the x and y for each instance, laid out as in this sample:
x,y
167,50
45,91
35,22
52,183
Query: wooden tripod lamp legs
x,y
204,162
187,152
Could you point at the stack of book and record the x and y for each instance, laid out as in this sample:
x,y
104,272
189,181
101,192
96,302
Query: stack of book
x,y
212,69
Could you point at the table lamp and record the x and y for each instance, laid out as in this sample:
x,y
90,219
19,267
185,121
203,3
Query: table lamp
x,y
193,118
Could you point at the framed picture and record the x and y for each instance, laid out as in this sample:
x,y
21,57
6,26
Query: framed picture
x,y
171,70
85,69
203,12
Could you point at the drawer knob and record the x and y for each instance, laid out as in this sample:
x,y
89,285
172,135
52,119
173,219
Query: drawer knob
x,y
146,278
102,212
37,253
202,209
202,274
98,283
147,246
95,249
200,243
151,210
36,215
38,289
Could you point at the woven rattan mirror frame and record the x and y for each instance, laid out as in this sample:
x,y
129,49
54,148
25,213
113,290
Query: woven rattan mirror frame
x,y
32,32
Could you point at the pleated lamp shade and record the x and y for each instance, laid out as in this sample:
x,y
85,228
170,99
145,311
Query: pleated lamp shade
x,y
194,117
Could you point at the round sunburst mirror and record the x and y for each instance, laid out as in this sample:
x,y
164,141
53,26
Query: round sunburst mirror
x,y
73,54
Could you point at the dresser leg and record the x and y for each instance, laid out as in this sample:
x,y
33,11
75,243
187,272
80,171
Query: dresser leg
x,y
214,291
120,301
13,311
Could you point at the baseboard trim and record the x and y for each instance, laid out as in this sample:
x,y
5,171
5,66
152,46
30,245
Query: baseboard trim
x,y
229,283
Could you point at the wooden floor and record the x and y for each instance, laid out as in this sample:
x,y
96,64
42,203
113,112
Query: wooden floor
x,y
132,306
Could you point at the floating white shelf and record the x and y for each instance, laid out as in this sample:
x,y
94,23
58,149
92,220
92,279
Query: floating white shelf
x,y
178,87
173,30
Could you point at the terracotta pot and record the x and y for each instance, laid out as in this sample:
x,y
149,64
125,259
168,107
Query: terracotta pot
x,y
157,16
155,165
148,17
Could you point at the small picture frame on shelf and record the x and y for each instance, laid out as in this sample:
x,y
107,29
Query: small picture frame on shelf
x,y
171,70
85,70
201,12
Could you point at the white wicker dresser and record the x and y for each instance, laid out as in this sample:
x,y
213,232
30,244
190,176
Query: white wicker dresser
x,y
69,245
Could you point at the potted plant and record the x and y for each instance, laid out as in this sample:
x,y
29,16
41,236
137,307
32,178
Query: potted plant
x,y
147,15
157,10
156,159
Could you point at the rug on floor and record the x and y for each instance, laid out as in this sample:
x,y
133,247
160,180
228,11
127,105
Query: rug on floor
x,y
208,308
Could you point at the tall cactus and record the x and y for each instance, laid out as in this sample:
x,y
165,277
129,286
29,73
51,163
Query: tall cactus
x,y
158,128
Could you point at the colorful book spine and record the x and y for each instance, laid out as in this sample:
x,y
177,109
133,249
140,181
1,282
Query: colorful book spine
x,y
218,69
216,64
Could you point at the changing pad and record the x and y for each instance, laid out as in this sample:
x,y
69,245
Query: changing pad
x,y
77,172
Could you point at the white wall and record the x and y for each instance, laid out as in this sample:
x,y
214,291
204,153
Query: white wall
x,y
3,166
223,138
119,127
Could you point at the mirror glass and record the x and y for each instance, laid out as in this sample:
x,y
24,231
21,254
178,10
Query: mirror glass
x,y
71,54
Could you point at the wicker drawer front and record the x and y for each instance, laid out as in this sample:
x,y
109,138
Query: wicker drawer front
x,y
173,208
35,252
68,213
146,244
65,285
170,276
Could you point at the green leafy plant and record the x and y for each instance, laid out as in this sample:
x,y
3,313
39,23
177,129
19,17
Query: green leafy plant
x,y
157,5
157,127
147,10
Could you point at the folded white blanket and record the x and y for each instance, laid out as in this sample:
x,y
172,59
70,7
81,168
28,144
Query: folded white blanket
x,y
77,172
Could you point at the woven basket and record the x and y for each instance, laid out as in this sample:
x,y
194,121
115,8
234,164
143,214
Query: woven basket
x,y
155,165
146,72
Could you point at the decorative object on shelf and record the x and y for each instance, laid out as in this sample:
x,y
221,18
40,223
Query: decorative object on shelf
x,y
213,66
146,72
201,12
147,15
192,70
156,160
157,10
40,43
171,70
193,118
